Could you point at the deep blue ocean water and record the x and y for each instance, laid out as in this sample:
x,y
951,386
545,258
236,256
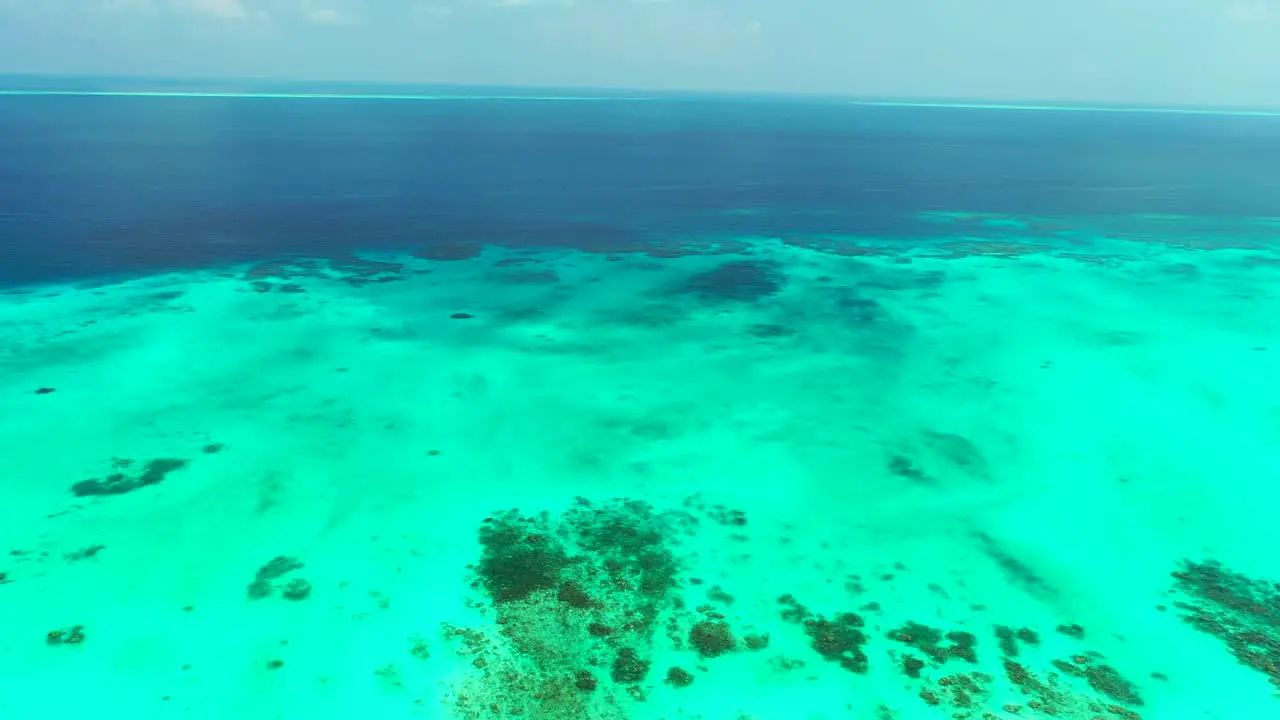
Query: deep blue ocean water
x,y
96,185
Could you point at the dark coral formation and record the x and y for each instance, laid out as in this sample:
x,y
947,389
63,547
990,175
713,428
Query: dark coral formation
x,y
679,677
792,610
904,467
518,560
629,667
712,638
988,248
1085,687
572,594
1072,631
73,635
843,248
960,693
84,553
1030,684
632,543
740,281
912,666
727,517
279,566
358,271
1242,612
577,599
580,601
932,642
118,483
1009,639
273,276
419,648
1103,679
1051,696
585,681
296,589
839,639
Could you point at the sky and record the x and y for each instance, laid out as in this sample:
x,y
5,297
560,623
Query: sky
x,y
1173,52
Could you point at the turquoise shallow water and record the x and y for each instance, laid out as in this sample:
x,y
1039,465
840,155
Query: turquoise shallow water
x,y
972,480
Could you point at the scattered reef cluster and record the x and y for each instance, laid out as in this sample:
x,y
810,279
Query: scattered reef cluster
x,y
1240,611
276,275
592,610
578,600
285,229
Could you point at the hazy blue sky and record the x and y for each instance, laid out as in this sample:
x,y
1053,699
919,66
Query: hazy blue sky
x,y
1161,51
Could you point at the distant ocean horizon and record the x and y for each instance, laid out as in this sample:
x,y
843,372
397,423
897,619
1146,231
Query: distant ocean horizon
x,y
609,167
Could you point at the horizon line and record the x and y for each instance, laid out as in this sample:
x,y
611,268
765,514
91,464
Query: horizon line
x,y
304,96
571,93
957,105
1069,108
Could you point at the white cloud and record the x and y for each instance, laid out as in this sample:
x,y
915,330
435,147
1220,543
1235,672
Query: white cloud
x,y
326,16
220,9
329,15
